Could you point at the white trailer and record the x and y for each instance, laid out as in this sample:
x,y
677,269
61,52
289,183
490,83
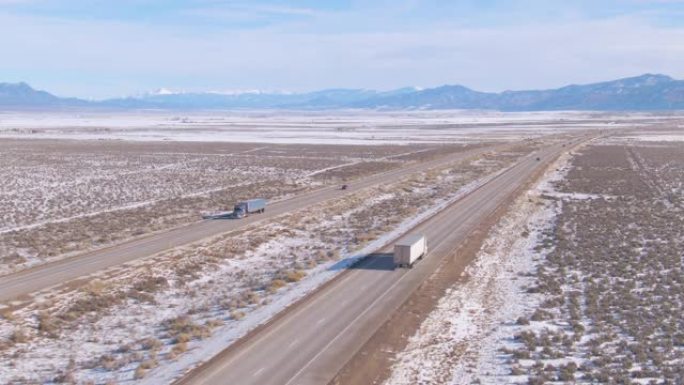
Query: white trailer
x,y
409,249
242,209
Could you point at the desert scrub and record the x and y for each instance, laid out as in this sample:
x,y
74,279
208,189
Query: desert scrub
x,y
613,275
161,306
63,197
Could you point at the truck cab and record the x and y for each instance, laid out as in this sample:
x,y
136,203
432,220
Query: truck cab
x,y
239,212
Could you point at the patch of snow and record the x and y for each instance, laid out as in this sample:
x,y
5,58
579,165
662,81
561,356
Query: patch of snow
x,y
289,242
228,334
339,127
653,138
461,340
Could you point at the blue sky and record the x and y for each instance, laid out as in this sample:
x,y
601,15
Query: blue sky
x,y
98,49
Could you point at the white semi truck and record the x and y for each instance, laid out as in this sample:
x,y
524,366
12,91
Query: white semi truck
x,y
409,249
241,210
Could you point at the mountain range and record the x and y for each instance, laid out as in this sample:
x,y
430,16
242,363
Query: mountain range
x,y
647,92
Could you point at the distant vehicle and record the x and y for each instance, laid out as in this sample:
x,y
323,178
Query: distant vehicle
x,y
252,206
409,249
343,187
538,158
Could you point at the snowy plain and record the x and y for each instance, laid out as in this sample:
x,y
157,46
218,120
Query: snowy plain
x,y
338,127
382,128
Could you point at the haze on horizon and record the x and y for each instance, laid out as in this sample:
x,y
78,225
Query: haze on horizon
x,y
100,49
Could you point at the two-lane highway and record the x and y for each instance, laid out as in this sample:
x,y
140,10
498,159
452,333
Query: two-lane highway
x,y
59,272
312,341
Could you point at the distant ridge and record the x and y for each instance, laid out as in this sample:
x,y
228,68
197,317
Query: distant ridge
x,y
649,92
22,95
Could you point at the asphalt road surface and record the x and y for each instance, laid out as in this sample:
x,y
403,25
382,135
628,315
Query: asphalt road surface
x,y
313,340
48,275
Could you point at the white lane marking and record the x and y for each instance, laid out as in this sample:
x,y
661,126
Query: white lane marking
x,y
293,343
258,372
344,331
286,321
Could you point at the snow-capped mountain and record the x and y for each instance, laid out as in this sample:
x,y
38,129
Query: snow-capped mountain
x,y
645,92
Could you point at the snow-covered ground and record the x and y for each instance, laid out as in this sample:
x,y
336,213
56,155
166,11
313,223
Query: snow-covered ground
x,y
339,127
580,282
461,340
161,316
664,137
227,335
62,197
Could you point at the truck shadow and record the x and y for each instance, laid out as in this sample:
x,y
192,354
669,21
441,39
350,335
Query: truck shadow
x,y
219,216
375,261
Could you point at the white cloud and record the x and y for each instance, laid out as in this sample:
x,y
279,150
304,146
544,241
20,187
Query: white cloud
x,y
249,12
114,58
